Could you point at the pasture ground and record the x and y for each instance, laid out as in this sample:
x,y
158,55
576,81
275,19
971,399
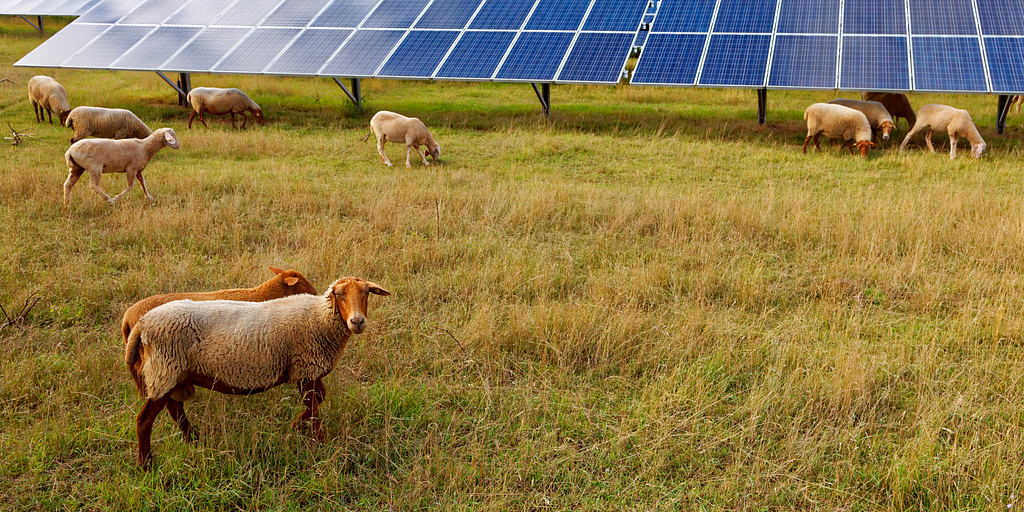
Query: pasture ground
x,y
647,303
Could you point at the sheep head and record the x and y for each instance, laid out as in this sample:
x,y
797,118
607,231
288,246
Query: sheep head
x,y
887,126
63,115
258,115
170,138
295,283
435,151
348,297
864,146
976,150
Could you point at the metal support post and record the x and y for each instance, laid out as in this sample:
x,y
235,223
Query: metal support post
x,y
1003,110
178,86
762,106
356,94
39,20
544,95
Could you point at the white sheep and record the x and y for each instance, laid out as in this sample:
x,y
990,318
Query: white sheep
x,y
211,100
392,127
242,348
107,123
957,122
878,116
99,156
837,121
47,95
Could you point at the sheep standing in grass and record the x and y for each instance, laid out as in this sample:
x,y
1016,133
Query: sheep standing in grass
x,y
211,100
100,156
837,121
896,103
392,127
283,284
107,123
242,348
46,95
878,116
957,122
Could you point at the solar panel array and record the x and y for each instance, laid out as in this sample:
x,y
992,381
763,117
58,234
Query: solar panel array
x,y
557,41
46,7
904,45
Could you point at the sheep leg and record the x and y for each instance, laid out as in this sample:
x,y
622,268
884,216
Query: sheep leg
x,y
244,118
910,134
35,110
130,176
144,426
928,140
233,121
806,140
313,393
49,114
202,118
73,175
94,184
952,145
142,181
380,149
177,410
816,146
422,157
190,118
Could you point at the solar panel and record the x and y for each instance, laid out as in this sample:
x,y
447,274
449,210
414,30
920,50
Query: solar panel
x,y
859,70
59,46
943,64
574,41
46,7
804,62
735,60
670,59
1001,17
942,17
1006,62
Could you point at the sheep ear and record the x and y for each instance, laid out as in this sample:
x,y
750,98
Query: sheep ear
x,y
275,270
170,138
375,288
290,281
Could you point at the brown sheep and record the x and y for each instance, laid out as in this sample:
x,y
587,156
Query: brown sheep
x,y
284,283
896,103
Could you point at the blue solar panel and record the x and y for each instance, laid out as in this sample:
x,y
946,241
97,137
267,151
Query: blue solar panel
x,y
110,45
344,14
875,17
363,53
736,60
558,15
246,13
809,17
310,51
615,15
1001,17
476,55
419,54
157,47
108,11
1006,62
257,50
746,16
944,64
535,56
860,70
152,12
942,17
294,13
196,12
670,59
451,14
206,49
684,16
61,45
502,15
597,57
804,62
395,14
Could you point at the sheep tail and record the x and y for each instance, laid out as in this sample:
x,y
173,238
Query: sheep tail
x,y
131,358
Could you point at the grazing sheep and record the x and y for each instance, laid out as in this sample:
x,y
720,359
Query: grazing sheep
x,y
878,116
283,284
107,123
896,103
49,96
242,348
957,122
837,121
99,156
211,100
392,127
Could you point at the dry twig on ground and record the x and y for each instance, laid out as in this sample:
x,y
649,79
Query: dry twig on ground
x,y
17,320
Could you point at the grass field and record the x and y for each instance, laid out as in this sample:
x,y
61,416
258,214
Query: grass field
x,y
648,302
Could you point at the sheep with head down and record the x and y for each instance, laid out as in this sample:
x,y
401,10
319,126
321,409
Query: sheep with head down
x,y
837,121
242,348
48,96
391,127
218,102
956,122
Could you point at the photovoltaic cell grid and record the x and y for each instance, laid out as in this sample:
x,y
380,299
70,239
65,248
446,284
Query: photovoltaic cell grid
x,y
560,41
46,7
902,45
